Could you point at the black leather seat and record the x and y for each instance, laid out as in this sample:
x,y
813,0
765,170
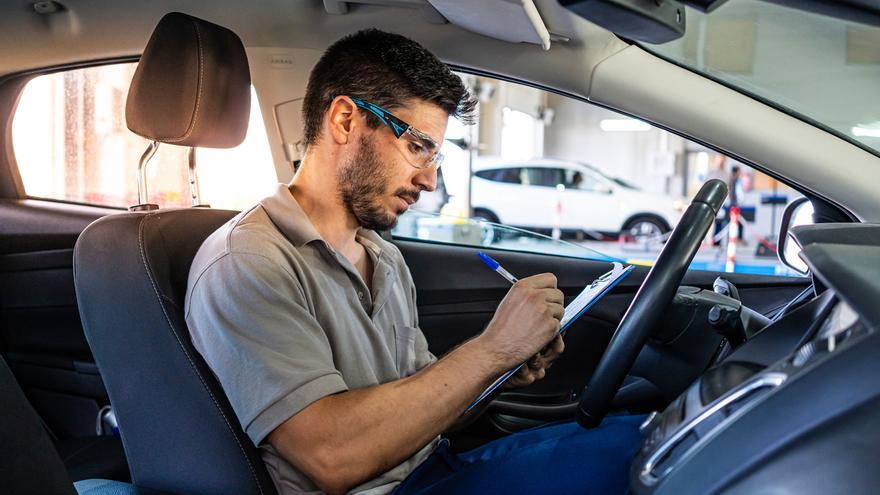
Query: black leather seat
x,y
28,461
191,88
93,457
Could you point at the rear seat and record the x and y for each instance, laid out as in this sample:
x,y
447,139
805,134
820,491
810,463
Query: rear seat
x,y
94,457
29,462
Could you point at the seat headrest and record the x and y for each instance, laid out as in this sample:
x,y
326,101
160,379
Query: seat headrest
x,y
192,86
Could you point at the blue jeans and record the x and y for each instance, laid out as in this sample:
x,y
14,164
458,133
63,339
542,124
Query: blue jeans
x,y
557,459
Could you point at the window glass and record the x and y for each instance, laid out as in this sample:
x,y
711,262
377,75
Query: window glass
x,y
626,184
71,143
584,181
831,68
529,176
508,175
571,179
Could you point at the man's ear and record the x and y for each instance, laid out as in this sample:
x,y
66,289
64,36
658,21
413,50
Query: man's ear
x,y
340,119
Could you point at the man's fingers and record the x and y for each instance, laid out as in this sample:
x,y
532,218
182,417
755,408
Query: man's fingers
x,y
541,281
557,311
554,296
548,354
535,362
558,345
525,376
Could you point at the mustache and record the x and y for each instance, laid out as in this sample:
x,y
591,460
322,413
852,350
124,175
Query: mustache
x,y
408,193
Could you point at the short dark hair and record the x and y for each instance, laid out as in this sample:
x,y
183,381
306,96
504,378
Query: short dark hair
x,y
383,68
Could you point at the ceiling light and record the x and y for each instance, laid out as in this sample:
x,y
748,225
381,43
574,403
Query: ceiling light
x,y
623,125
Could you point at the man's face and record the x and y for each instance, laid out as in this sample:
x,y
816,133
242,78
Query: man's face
x,y
376,182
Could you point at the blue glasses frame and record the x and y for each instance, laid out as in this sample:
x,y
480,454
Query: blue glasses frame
x,y
399,128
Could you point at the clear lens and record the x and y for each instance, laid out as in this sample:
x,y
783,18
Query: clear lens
x,y
417,152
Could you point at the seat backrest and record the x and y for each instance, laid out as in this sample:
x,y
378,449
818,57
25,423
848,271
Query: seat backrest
x,y
192,87
179,431
28,460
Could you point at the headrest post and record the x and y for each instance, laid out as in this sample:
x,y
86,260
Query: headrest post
x,y
194,193
143,196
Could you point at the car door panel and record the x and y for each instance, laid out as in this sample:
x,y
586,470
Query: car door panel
x,y
40,330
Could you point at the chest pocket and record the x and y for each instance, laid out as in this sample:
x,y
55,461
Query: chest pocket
x,y
405,349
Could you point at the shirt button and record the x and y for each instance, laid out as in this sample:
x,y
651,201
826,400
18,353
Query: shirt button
x,y
360,294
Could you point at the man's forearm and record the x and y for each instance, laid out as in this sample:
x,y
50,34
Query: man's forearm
x,y
345,439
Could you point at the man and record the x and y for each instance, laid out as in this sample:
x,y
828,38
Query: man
x,y
308,318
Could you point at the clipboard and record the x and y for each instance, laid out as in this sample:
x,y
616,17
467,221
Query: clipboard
x,y
591,293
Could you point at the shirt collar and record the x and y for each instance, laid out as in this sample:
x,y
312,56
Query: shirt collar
x,y
289,217
292,221
371,241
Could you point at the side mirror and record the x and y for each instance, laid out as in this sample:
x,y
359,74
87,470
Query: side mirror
x,y
798,212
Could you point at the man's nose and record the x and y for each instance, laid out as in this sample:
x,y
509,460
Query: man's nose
x,y
426,179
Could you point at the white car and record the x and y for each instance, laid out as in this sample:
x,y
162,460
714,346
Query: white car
x,y
571,196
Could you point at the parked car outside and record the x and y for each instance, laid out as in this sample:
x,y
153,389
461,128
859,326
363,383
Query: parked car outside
x,y
571,196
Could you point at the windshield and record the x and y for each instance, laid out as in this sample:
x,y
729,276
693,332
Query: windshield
x,y
820,68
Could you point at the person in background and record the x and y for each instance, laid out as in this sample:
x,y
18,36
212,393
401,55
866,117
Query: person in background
x,y
735,196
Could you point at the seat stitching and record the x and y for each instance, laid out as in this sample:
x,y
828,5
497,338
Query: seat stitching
x,y
186,353
199,85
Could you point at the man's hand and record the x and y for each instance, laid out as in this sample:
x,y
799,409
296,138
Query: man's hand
x,y
526,320
536,367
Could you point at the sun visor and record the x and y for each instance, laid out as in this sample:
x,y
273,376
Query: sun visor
x,y
513,21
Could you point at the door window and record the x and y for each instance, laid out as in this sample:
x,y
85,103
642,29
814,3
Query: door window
x,y
71,144
506,175
530,176
571,179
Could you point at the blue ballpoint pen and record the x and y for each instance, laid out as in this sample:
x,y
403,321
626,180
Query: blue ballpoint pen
x,y
494,265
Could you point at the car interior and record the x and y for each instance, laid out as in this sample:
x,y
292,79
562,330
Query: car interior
x,y
752,383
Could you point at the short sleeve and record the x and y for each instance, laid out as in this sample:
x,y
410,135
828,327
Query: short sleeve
x,y
249,319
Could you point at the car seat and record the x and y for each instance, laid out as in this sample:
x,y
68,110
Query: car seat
x,y
191,88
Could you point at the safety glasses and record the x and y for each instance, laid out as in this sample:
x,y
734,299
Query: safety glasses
x,y
419,150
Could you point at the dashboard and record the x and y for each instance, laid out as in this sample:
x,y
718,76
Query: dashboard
x,y
796,409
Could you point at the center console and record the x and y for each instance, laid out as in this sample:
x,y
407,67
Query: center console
x,y
727,392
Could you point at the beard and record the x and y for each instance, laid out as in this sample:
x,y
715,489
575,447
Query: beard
x,y
363,181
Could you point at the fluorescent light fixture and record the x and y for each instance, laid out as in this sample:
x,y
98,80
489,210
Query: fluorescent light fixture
x,y
860,131
623,125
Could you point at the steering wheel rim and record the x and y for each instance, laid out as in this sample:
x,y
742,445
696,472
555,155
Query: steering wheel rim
x,y
652,298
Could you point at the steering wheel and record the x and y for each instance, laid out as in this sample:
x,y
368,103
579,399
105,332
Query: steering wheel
x,y
651,300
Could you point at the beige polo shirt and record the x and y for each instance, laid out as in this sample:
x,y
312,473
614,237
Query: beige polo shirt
x,y
283,320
